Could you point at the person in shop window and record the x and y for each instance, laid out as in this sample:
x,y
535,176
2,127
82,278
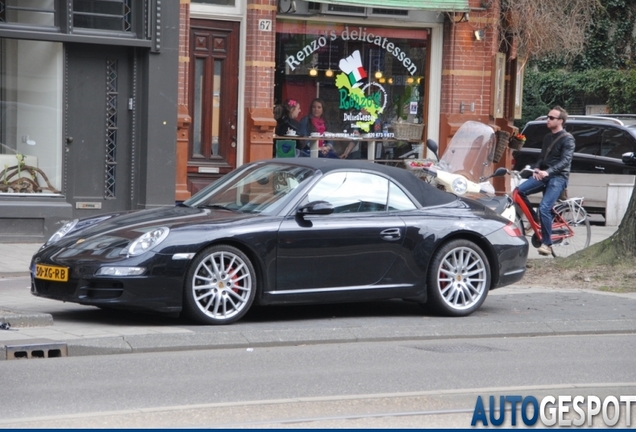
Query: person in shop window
x,y
315,123
287,123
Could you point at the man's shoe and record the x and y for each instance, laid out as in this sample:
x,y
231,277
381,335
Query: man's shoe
x,y
545,250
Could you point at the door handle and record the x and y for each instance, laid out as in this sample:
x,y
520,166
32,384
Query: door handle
x,y
599,168
391,234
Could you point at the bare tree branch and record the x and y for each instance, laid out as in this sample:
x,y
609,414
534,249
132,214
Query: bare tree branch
x,y
547,27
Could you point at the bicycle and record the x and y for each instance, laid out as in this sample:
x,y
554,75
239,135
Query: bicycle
x,y
571,231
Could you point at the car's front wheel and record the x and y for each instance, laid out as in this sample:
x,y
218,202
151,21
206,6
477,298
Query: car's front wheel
x,y
459,278
220,286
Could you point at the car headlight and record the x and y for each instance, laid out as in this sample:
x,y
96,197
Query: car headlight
x,y
62,232
460,185
120,271
147,241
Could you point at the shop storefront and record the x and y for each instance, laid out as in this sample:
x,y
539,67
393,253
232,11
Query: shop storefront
x,y
369,77
84,127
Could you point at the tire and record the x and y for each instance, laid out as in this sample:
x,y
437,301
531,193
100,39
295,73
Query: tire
x,y
579,222
459,278
220,286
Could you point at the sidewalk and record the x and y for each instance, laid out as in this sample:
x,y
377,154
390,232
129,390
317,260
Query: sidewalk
x,y
38,324
15,258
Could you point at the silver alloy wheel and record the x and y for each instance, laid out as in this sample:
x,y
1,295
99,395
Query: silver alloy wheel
x,y
222,285
462,278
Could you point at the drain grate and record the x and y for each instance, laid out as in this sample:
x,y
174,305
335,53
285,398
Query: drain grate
x,y
47,350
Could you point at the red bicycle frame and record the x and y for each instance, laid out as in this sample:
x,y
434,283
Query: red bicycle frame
x,y
560,228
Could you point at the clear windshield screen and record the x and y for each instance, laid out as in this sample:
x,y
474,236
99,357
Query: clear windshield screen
x,y
470,152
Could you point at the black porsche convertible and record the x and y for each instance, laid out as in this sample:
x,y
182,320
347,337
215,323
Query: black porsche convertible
x,y
287,231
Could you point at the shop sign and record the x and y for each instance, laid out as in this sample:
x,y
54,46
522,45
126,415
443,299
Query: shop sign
x,y
359,34
351,81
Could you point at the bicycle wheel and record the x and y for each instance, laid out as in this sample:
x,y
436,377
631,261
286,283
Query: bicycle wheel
x,y
570,217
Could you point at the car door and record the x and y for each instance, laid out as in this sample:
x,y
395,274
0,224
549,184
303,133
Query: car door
x,y
588,146
352,248
615,143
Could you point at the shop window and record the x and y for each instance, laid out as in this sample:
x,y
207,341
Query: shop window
x,y
100,15
30,117
369,77
114,15
29,12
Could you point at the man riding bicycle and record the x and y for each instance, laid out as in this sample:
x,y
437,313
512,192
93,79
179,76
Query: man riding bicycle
x,y
551,174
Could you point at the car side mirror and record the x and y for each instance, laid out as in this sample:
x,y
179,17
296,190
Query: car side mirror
x,y
432,146
316,208
629,158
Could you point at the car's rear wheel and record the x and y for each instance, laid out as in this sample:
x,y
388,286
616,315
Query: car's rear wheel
x,y
220,286
459,278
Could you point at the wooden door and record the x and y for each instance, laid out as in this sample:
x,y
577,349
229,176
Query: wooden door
x,y
213,100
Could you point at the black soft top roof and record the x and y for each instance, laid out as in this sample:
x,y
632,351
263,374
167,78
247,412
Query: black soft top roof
x,y
423,192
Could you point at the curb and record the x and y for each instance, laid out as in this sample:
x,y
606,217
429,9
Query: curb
x,y
25,319
253,339
6,275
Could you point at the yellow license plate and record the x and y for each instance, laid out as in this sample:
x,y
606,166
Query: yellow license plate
x,y
59,274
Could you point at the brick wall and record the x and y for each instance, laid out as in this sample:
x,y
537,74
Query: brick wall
x,y
184,54
260,53
468,63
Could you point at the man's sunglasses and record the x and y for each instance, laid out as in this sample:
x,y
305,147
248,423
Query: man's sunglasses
x,y
554,118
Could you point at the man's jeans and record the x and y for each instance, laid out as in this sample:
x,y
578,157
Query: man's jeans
x,y
551,188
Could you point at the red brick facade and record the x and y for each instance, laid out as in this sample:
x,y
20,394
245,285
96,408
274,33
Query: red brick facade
x,y
468,72
260,52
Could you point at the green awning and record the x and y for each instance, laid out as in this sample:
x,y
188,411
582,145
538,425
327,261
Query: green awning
x,y
428,5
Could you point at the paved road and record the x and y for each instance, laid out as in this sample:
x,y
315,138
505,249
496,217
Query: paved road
x,y
510,311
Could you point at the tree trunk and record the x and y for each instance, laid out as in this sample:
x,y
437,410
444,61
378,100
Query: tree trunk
x,y
625,236
619,249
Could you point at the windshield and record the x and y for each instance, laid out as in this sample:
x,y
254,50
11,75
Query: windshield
x,y
470,152
258,188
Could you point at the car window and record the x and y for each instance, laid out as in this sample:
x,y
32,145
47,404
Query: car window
x,y
254,189
398,199
587,138
616,142
352,192
534,135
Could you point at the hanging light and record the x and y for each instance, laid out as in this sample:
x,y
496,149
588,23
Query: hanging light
x,y
378,74
390,80
329,72
313,72
410,80
382,80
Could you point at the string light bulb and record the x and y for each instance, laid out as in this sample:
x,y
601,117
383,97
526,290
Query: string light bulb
x,y
329,73
378,74
313,72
